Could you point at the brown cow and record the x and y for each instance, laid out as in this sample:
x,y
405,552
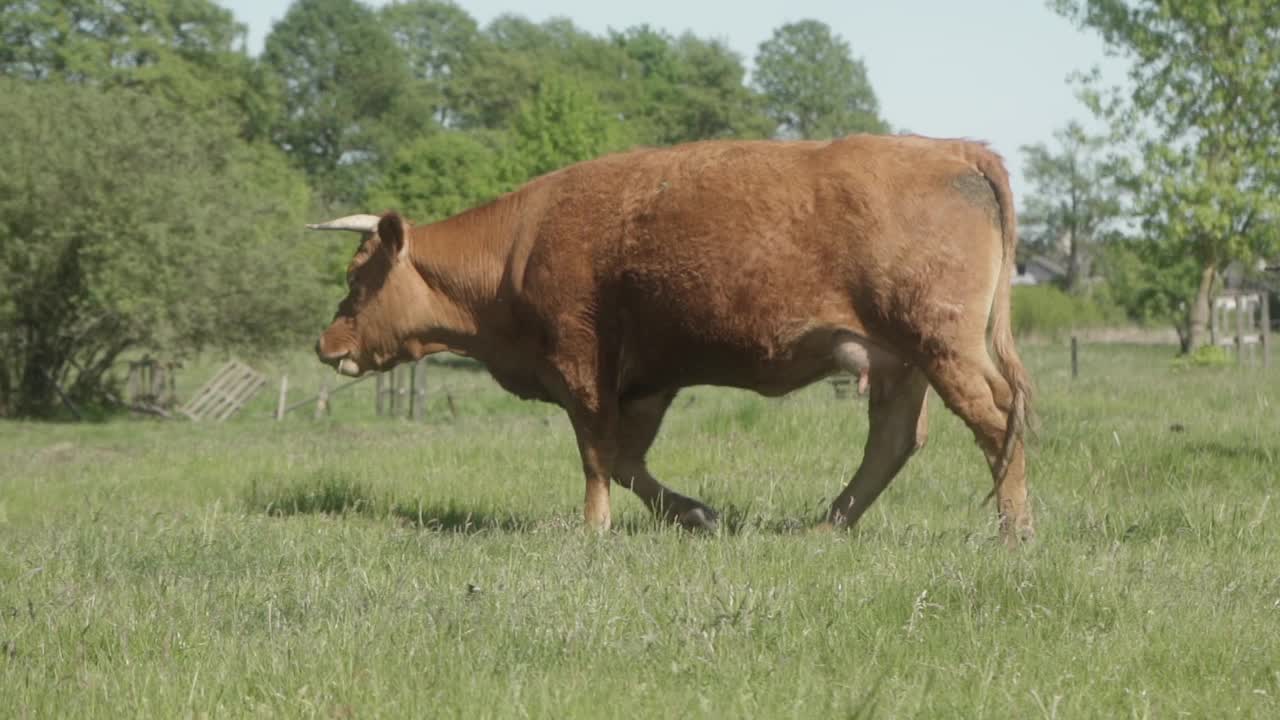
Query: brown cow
x,y
607,286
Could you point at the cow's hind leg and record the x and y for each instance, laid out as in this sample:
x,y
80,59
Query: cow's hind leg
x,y
638,425
898,428
973,388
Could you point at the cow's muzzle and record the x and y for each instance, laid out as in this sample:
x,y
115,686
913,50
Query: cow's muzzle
x,y
341,362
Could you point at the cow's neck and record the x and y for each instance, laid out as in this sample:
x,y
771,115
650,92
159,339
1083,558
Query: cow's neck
x,y
462,260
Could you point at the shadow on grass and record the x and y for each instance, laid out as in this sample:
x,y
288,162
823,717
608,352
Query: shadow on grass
x,y
336,494
1147,526
323,494
452,518
733,519
1222,451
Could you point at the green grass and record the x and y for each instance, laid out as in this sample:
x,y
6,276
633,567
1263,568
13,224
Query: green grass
x,y
356,567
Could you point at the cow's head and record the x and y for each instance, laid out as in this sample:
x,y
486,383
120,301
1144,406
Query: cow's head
x,y
380,319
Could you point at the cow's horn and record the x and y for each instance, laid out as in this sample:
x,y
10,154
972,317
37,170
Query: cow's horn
x,y
353,223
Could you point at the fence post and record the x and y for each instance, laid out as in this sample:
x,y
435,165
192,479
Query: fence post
x,y
172,398
1075,361
417,390
1266,329
1240,302
395,392
377,394
322,400
1252,324
284,396
131,385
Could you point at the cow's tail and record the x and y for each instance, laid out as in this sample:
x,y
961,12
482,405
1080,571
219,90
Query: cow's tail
x,y
1000,321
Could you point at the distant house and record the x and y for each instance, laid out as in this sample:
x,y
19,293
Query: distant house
x,y
1264,275
1038,270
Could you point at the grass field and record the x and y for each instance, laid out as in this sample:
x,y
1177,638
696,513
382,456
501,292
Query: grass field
x,y
355,567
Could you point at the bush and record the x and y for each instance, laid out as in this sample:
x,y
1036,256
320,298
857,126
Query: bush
x,y
1047,311
1205,356
129,225
437,176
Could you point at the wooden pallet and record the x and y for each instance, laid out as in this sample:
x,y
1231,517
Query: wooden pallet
x,y
223,396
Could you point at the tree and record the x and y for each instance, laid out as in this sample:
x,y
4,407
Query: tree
x,y
439,175
347,90
561,125
812,85
515,57
439,40
1204,116
1147,281
1074,196
189,52
662,90
715,102
128,224
689,89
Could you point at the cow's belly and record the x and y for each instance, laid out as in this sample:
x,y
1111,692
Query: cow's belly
x,y
768,368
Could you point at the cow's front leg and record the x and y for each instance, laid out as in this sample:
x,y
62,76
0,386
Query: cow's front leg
x,y
597,434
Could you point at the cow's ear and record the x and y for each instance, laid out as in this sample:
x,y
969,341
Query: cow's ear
x,y
391,230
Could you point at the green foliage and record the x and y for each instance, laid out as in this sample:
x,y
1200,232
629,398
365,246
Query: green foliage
x,y
127,224
561,125
1046,311
1204,113
1074,197
1151,286
439,175
515,57
439,41
665,90
347,90
690,89
189,52
813,87
1205,356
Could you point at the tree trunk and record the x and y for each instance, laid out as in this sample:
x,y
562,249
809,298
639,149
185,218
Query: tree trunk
x,y
41,362
1073,265
36,394
1199,318
6,393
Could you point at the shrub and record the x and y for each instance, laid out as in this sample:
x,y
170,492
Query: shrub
x,y
1205,356
1047,311
129,225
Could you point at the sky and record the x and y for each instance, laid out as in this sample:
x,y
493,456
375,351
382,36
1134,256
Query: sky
x,y
993,70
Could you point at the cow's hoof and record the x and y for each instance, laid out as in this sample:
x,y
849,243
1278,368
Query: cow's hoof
x,y
1014,539
701,519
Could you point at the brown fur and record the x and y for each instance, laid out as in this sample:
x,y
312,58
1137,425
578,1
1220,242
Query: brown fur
x,y
609,285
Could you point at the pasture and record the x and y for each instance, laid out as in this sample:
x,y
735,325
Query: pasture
x,y
355,567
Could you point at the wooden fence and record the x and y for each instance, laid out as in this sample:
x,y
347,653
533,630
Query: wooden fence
x,y
1241,321
220,398
399,391
402,389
